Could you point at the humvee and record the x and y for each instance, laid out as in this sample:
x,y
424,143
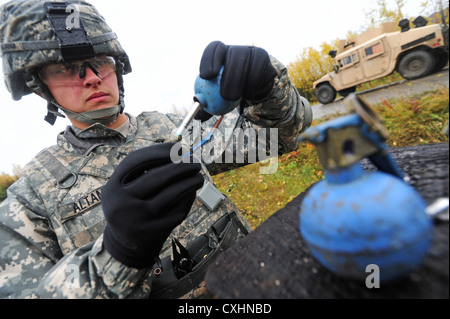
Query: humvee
x,y
378,52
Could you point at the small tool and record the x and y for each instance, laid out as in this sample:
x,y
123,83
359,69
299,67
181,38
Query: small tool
x,y
182,261
438,210
188,119
207,98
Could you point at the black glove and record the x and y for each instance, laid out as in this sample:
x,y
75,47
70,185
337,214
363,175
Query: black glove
x,y
248,72
144,200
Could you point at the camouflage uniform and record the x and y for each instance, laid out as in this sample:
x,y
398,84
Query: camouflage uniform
x,y
51,223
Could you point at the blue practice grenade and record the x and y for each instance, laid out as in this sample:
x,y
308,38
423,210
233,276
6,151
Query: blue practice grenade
x,y
207,93
355,218
207,98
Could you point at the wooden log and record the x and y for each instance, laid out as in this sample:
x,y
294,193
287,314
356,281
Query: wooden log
x,y
274,261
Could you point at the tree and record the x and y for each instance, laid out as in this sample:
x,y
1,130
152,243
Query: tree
x,y
310,66
6,181
383,14
431,10
183,111
434,10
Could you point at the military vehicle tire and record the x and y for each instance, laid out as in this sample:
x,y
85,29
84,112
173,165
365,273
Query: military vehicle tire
x,y
441,61
416,64
347,91
325,93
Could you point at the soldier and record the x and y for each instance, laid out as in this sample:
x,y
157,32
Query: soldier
x,y
106,213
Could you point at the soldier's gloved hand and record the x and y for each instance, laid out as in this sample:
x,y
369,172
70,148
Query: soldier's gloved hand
x,y
144,200
248,72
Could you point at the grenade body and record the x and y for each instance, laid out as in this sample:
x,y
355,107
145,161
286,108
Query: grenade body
x,y
207,93
355,218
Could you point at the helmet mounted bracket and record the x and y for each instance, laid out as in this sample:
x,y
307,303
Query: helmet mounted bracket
x,y
72,38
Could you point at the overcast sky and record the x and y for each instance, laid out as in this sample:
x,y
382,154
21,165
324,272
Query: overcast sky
x,y
165,41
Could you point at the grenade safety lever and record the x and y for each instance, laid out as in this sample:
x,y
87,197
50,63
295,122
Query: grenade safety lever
x,y
349,139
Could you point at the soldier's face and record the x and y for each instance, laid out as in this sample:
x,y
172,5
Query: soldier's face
x,y
92,92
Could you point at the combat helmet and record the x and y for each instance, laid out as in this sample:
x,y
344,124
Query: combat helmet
x,y
35,33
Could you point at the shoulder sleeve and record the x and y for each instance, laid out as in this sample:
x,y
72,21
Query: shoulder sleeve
x,y
276,120
284,109
28,245
91,272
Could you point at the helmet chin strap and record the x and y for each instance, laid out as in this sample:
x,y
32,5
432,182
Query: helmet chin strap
x,y
103,116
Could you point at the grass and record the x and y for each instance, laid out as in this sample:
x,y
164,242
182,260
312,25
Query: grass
x,y
391,78
259,196
416,120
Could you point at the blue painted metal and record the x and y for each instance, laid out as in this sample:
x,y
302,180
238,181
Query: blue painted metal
x,y
355,218
207,92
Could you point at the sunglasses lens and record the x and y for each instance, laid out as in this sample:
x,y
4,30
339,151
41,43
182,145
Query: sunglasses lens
x,y
73,73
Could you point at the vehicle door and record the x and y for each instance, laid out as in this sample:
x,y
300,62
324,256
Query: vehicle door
x,y
375,59
350,69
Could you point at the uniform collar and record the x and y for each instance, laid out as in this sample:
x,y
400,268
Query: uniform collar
x,y
98,130
85,141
